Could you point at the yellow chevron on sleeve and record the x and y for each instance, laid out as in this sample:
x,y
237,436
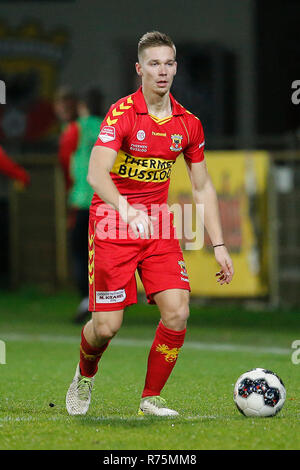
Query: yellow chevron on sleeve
x,y
123,106
117,113
110,122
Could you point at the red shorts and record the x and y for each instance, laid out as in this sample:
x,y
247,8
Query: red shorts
x,y
112,266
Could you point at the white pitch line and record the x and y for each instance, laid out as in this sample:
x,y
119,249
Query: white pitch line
x,y
132,342
100,419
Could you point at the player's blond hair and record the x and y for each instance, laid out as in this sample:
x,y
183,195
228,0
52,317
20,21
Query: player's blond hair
x,y
154,39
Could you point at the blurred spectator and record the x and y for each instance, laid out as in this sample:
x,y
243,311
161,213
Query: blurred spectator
x,y
65,107
10,169
65,104
78,140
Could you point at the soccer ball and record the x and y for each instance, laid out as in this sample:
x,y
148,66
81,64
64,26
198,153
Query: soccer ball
x,y
259,392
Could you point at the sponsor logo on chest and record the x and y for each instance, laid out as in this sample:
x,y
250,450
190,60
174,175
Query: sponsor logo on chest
x,y
176,141
148,169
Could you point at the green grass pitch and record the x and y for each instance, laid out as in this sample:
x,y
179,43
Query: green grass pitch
x,y
42,347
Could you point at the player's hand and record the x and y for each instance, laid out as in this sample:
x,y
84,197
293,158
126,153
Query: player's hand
x,y
226,272
141,223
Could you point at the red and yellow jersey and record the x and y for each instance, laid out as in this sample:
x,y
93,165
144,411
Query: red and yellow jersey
x,y
148,147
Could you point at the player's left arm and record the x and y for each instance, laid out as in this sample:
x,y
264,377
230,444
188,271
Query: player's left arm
x,y
204,193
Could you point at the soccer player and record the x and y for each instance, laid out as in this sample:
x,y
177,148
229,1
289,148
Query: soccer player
x,y
129,170
75,147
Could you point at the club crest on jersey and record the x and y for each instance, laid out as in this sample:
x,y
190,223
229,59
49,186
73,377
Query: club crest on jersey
x,y
176,142
183,268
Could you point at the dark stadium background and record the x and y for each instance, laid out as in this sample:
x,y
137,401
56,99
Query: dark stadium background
x,y
239,71
237,63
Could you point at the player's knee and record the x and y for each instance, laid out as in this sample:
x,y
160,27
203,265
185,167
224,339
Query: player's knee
x,y
182,312
106,325
176,317
105,331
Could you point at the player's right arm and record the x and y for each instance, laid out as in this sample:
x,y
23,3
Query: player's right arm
x,y
101,162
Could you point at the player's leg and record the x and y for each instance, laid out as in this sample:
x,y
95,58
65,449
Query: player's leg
x,y
169,337
166,283
112,287
95,337
173,305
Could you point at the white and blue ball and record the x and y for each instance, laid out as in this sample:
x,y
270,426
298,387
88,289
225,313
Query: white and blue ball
x,y
259,392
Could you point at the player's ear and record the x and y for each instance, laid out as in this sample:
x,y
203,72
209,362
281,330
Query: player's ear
x,y
138,69
175,68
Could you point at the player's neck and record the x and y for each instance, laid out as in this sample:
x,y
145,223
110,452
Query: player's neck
x,y
159,106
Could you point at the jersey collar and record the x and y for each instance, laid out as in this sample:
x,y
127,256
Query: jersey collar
x,y
141,107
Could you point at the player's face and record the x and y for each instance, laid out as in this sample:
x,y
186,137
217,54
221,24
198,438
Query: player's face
x,y
65,109
157,67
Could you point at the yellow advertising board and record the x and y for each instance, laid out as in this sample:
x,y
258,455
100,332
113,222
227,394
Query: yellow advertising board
x,y
240,179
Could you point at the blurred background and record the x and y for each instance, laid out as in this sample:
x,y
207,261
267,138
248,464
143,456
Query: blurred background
x,y
238,71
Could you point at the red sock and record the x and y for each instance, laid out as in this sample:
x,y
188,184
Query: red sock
x,y
89,357
162,358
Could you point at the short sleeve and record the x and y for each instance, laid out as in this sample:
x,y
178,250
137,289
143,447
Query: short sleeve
x,y
112,132
194,152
